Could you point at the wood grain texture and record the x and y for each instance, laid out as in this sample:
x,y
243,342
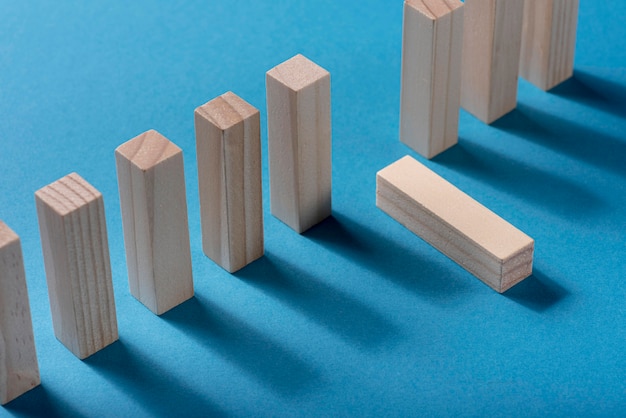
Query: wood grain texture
x,y
228,145
151,179
78,268
492,37
299,137
548,41
19,370
430,95
476,238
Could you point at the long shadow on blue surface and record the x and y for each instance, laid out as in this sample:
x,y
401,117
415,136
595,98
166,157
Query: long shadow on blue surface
x,y
154,388
39,403
255,353
332,308
537,292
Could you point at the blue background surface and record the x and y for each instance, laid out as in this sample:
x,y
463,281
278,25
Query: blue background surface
x,y
357,316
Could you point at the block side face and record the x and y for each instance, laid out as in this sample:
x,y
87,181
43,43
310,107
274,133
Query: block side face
x,y
536,41
253,193
562,42
297,73
148,150
453,91
518,268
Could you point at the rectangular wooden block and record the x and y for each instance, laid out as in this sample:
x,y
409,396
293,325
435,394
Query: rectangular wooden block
x,y
430,96
299,137
548,41
476,238
151,180
19,370
78,268
492,37
228,145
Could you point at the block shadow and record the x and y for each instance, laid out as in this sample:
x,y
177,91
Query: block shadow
x,y
38,402
537,292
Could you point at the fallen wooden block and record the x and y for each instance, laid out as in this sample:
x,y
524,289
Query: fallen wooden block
x,y
151,181
430,95
19,370
228,144
299,138
476,238
548,41
492,37
78,267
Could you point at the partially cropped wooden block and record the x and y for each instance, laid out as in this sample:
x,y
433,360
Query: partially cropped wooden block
x,y
228,145
476,238
78,267
151,181
431,75
548,41
19,370
299,137
492,37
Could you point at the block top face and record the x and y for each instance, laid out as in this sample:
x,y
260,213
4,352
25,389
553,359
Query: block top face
x,y
434,9
7,236
462,212
298,72
68,194
148,149
226,110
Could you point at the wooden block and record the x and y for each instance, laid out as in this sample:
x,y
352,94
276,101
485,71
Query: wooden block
x,y
548,41
298,122
492,37
151,180
476,238
19,370
430,96
228,144
78,267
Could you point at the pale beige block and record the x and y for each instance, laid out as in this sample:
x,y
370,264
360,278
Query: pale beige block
x,y
151,179
430,95
476,238
19,370
78,268
492,37
548,41
228,145
299,137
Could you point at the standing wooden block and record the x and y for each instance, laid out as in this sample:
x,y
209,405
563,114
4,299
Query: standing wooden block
x,y
476,238
19,371
228,144
548,41
298,122
151,180
78,267
431,75
492,37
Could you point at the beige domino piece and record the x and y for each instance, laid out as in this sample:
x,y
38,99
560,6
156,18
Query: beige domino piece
x,y
476,238
228,144
492,37
19,370
431,75
78,268
151,181
548,41
299,137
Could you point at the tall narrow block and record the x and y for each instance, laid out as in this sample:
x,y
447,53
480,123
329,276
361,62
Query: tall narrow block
x,y
228,144
299,137
548,41
430,97
476,238
492,37
78,267
151,181
19,370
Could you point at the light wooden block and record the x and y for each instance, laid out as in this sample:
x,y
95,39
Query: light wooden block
x,y
476,238
492,38
78,268
228,144
19,370
299,137
151,179
430,96
548,41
